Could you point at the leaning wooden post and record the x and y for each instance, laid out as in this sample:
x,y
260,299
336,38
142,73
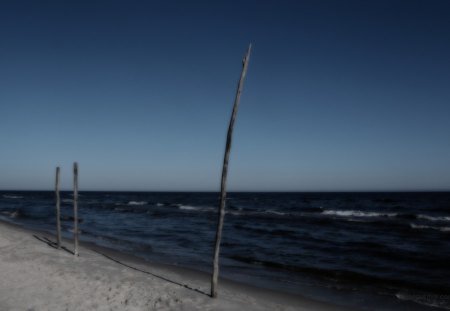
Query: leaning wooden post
x,y
223,192
58,212
75,207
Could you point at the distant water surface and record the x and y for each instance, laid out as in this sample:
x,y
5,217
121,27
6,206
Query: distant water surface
x,y
388,251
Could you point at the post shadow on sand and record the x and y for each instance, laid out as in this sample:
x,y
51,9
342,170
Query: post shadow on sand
x,y
52,244
153,274
55,246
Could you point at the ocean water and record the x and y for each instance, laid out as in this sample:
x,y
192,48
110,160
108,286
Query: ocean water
x,y
375,251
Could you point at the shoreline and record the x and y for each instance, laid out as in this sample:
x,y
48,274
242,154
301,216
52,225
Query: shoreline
x,y
105,279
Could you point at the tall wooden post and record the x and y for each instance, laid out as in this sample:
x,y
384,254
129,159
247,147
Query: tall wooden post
x,y
75,207
58,212
223,192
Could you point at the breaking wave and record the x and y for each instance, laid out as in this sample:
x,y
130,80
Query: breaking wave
x,y
352,213
8,196
443,229
434,218
189,207
137,203
13,214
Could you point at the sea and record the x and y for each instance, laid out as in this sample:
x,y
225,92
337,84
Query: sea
x,y
370,251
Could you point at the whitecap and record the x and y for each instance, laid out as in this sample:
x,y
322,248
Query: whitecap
x,y
71,230
443,229
189,207
234,213
11,214
434,218
137,203
352,213
430,300
275,212
9,196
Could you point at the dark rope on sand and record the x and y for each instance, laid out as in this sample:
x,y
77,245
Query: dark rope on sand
x,y
151,273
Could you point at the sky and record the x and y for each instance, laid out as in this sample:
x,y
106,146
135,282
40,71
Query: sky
x,y
339,95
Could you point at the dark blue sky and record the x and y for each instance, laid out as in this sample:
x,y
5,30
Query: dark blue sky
x,y
340,95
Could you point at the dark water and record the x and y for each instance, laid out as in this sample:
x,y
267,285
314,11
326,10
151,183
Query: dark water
x,y
388,251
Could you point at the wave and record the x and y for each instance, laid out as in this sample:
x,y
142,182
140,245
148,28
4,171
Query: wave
x,y
327,273
232,210
9,196
137,203
71,218
266,231
274,212
71,230
235,213
67,200
189,208
312,209
434,218
14,214
353,213
443,229
264,214
430,300
196,208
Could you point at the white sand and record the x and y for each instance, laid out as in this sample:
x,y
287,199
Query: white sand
x,y
36,276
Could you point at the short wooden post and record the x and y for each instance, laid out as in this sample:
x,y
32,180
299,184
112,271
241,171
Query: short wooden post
x,y
58,212
223,193
75,207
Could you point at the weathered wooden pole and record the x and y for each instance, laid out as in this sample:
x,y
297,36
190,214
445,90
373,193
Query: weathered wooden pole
x,y
223,191
58,212
75,207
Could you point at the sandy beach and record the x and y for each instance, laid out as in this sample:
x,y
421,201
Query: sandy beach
x,y
34,275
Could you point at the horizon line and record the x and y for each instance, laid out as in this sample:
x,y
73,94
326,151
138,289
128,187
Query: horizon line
x,y
236,191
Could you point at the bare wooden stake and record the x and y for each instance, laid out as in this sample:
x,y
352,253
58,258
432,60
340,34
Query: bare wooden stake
x,y
223,191
58,213
75,207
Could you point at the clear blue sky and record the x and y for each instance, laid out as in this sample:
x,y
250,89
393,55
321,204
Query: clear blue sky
x,y
340,95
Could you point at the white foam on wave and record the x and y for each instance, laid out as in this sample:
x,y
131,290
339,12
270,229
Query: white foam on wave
x,y
234,213
438,301
9,196
352,213
275,212
159,204
434,218
196,208
443,229
241,212
189,207
11,214
356,220
137,203
72,231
